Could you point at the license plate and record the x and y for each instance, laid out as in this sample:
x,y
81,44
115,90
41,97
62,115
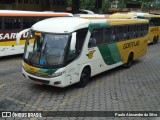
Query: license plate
x,y
38,83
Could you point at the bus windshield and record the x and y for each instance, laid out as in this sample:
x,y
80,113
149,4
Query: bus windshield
x,y
45,49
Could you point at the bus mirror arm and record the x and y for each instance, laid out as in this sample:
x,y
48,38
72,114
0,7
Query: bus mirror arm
x,y
18,37
73,42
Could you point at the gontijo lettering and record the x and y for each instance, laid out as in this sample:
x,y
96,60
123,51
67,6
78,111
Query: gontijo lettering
x,y
131,44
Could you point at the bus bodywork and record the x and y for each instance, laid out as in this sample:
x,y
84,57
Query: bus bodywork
x,y
154,23
71,50
12,22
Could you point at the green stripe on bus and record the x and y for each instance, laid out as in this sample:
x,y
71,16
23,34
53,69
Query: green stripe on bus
x,y
110,53
94,25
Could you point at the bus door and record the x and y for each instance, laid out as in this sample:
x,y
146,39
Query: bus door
x,y
72,68
76,47
93,53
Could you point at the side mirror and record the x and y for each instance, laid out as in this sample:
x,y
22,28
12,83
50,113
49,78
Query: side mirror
x,y
73,42
18,37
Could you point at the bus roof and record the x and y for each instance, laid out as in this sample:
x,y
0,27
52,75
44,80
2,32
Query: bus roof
x,y
92,16
61,24
132,15
71,24
32,13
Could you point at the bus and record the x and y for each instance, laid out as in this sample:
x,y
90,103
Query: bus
x,y
12,22
71,50
154,23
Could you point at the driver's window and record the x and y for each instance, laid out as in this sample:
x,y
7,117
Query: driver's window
x,y
79,41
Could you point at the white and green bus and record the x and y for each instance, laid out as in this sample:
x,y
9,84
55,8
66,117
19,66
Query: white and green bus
x,y
71,50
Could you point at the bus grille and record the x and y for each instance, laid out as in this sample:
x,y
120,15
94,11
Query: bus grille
x,y
40,74
43,81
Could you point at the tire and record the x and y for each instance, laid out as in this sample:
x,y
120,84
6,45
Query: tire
x,y
85,77
130,61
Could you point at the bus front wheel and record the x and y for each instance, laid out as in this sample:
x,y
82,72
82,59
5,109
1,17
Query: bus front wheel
x,y
130,61
85,77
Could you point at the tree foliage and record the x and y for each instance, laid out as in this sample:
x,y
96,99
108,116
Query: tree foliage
x,y
87,4
90,4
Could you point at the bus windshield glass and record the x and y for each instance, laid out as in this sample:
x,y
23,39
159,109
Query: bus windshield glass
x,y
45,49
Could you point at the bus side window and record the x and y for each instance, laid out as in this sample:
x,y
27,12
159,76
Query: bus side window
x,y
158,19
143,30
42,18
92,42
120,33
125,33
139,30
151,22
96,37
16,23
81,35
135,31
146,29
0,23
7,23
128,37
12,23
113,34
107,35
131,31
29,21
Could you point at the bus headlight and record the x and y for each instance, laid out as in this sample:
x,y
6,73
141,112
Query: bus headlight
x,y
58,74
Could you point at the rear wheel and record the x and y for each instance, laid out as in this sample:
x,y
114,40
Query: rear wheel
x,y
85,77
130,61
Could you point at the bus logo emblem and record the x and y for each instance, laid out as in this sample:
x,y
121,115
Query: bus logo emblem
x,y
90,54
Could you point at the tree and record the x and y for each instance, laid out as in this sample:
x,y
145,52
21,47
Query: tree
x,y
87,4
105,6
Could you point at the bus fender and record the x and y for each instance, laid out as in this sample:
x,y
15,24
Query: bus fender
x,y
88,65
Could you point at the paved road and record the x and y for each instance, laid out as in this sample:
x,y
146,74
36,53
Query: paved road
x,y
134,89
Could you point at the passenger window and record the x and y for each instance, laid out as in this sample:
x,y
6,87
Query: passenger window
x,y
139,30
0,23
120,33
96,37
81,35
12,23
113,34
29,21
107,35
